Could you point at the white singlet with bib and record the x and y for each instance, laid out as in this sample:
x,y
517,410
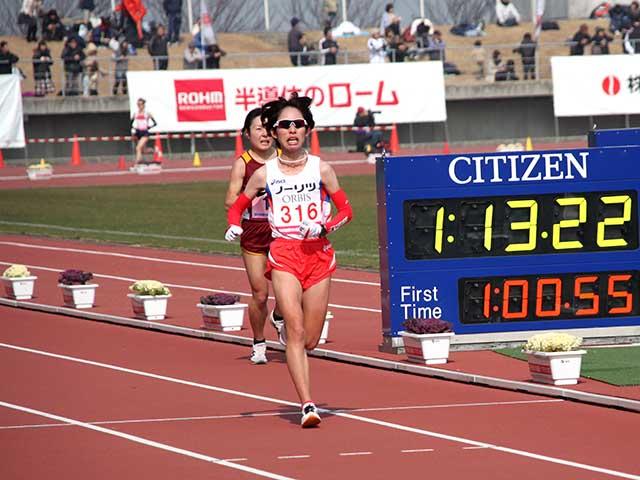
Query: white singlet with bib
x,y
296,198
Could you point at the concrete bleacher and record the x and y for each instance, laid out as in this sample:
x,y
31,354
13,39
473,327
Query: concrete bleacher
x,y
269,50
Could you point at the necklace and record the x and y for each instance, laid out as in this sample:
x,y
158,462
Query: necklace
x,y
293,163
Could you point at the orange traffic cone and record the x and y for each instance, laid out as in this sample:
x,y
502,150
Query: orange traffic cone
x,y
446,149
1,159
76,161
394,143
157,150
239,144
315,143
122,164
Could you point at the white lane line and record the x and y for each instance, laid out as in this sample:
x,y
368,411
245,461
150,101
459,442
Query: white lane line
x,y
147,442
473,448
354,454
292,457
372,421
293,412
417,450
192,287
148,259
242,459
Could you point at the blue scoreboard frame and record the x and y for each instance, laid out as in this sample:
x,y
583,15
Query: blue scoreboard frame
x,y
512,241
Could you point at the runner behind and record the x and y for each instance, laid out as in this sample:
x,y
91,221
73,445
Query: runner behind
x,y
141,123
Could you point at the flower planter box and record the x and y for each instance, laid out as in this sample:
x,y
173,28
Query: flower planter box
x,y
147,168
149,307
79,296
19,288
556,368
324,336
225,318
39,173
428,349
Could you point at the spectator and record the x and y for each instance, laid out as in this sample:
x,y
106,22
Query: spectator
x,y
329,47
479,58
366,137
634,12
192,57
506,72
507,14
28,17
437,46
493,66
213,53
397,49
121,60
103,32
580,40
307,57
92,71
52,28
632,39
87,6
173,9
294,41
620,20
600,42
158,49
7,59
331,11
42,69
527,50
389,20
376,46
73,56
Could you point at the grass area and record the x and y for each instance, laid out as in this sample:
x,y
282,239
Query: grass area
x,y
617,366
181,216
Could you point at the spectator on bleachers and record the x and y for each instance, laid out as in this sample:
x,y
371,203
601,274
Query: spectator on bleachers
x,y
52,28
158,49
389,20
121,60
330,9
632,39
192,57
580,40
396,48
7,59
42,62
600,42
329,48
102,33
437,46
92,72
507,14
634,12
479,58
493,65
620,21
87,6
507,72
213,55
307,56
294,41
376,46
73,56
527,50
173,9
28,16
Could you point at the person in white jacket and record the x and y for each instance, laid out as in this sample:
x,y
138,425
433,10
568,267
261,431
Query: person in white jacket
x,y
507,14
376,45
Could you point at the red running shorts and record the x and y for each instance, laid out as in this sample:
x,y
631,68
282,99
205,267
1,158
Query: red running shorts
x,y
310,261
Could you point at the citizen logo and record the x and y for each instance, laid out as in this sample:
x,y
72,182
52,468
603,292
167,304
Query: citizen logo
x,y
526,167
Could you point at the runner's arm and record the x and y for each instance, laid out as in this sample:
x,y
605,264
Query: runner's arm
x,y
235,182
256,182
338,197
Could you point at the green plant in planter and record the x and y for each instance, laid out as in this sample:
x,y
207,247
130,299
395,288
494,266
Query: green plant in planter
x,y
149,287
552,342
421,326
16,271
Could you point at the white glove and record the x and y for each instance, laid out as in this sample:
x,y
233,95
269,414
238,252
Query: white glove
x,y
310,229
232,233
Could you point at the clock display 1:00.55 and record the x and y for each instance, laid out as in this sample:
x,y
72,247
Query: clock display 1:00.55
x,y
549,297
526,224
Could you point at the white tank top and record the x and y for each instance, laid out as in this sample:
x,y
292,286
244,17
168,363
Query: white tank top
x,y
296,198
141,121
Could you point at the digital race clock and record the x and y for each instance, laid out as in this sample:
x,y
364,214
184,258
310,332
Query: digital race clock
x,y
510,242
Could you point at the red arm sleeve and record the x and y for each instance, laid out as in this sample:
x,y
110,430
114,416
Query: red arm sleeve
x,y
234,215
344,213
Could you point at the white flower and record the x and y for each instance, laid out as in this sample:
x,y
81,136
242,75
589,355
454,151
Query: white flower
x,y
552,342
16,271
149,287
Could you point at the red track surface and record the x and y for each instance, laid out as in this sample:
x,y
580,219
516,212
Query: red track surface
x,y
260,431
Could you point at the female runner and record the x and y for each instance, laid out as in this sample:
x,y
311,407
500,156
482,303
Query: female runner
x,y
256,236
301,259
141,123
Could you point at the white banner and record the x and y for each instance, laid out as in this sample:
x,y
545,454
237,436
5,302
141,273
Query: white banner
x,y
596,85
217,100
11,124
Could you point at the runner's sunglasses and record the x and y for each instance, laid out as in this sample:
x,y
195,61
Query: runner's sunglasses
x,y
286,124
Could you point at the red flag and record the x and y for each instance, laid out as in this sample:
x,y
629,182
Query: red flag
x,y
137,11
